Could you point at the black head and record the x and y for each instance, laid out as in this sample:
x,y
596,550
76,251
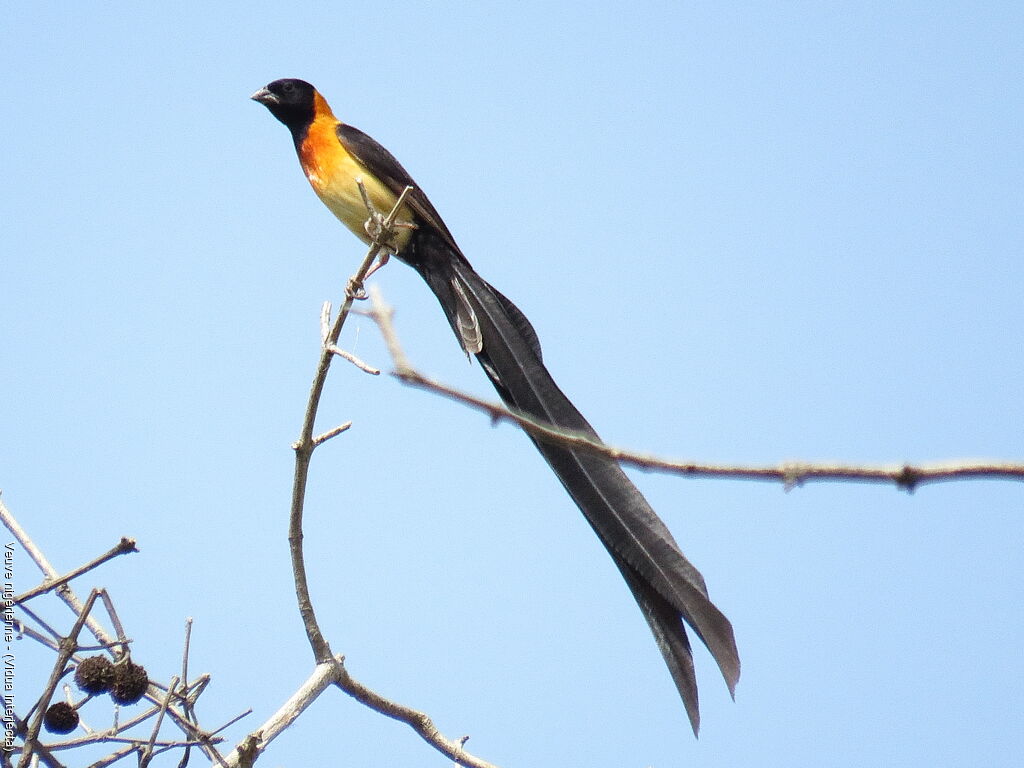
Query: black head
x,y
291,101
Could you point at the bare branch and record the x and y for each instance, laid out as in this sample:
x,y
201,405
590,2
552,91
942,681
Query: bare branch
x,y
184,666
418,721
66,650
123,547
330,669
334,673
146,754
306,443
334,432
257,741
325,322
50,573
334,349
791,474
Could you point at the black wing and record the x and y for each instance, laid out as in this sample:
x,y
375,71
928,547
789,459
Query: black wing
x,y
384,166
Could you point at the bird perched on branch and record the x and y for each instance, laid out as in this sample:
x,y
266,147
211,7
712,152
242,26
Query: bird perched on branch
x,y
667,587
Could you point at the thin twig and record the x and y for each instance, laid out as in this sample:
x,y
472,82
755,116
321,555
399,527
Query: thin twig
x,y
117,647
113,757
188,697
123,547
334,349
184,666
791,474
232,721
65,652
333,672
334,432
325,322
305,694
50,573
146,754
112,734
122,636
419,721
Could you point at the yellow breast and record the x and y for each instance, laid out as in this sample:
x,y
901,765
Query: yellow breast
x,y
332,172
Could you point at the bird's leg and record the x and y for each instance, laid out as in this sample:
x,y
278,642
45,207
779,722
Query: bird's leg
x,y
383,258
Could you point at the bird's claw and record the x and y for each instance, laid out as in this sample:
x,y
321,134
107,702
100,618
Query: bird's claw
x,y
354,290
378,232
382,259
382,233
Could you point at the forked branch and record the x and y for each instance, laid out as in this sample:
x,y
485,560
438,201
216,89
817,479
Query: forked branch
x,y
330,669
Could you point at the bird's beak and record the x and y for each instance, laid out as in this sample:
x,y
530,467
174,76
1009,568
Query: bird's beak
x,y
265,97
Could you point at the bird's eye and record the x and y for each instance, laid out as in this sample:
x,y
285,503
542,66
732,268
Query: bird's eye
x,y
288,87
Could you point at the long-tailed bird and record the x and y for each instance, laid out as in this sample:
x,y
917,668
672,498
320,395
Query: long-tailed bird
x,y
669,590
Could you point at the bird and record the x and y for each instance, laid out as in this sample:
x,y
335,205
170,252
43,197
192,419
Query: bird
x,y
669,590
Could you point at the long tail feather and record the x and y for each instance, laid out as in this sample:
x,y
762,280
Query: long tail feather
x,y
668,588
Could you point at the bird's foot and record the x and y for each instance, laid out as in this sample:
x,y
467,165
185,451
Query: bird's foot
x,y
382,233
354,290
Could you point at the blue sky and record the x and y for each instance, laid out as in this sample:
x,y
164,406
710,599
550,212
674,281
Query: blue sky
x,y
744,232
